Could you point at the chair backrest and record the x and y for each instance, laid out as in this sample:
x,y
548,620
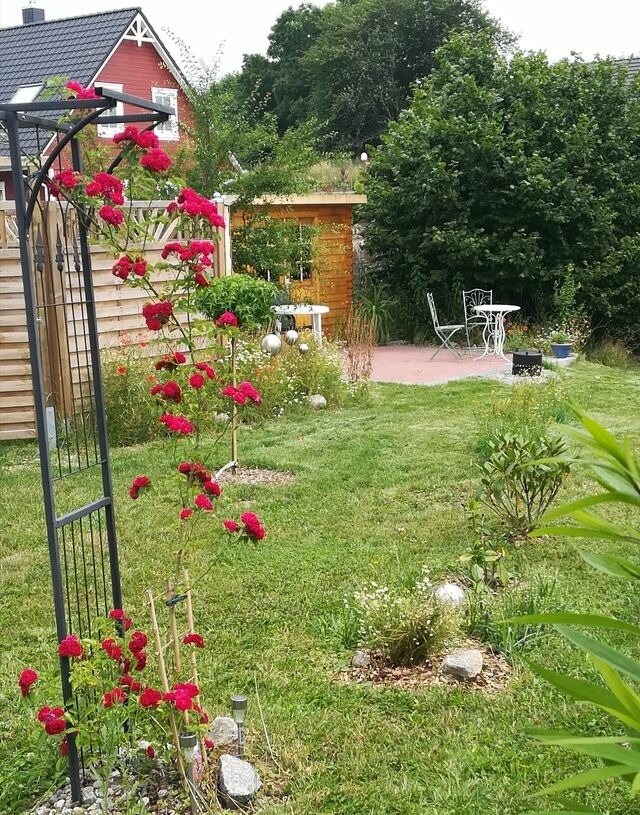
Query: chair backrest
x,y
432,309
473,298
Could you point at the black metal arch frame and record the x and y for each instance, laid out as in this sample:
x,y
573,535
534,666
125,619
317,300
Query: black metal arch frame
x,y
81,567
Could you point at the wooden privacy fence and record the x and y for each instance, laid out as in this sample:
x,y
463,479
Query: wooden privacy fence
x,y
63,332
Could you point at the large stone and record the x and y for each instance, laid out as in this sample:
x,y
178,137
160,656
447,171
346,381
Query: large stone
x,y
223,730
465,664
238,782
317,401
361,659
450,594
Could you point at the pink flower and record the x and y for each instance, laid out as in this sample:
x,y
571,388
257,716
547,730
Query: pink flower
x,y
76,91
212,488
186,514
250,392
227,318
150,697
252,526
232,526
177,424
196,381
208,370
203,501
140,482
27,678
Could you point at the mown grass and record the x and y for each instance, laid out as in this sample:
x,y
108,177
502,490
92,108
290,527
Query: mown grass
x,y
378,492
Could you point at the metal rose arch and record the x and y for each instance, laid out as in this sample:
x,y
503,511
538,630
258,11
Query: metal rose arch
x,y
65,365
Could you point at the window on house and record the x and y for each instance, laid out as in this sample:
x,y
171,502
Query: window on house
x,y
167,131
106,131
3,190
27,93
304,261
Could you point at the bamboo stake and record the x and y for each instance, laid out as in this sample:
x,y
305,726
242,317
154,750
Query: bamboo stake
x,y
175,642
163,672
234,406
192,656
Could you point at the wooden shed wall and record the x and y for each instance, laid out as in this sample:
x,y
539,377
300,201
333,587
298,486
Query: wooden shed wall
x,y
331,283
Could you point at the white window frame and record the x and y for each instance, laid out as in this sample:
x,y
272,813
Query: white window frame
x,y
167,131
3,191
107,131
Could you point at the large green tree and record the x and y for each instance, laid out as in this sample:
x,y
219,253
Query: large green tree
x,y
350,65
505,174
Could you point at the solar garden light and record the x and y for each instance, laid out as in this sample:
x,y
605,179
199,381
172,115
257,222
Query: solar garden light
x,y
188,744
238,710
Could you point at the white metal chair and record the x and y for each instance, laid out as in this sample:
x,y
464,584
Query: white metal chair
x,y
471,299
443,332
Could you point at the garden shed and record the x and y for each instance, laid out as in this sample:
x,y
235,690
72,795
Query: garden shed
x,y
327,277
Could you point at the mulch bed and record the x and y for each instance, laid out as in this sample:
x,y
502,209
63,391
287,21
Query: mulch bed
x,y
494,677
256,477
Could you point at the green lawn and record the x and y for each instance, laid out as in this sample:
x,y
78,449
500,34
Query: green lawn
x,y
378,492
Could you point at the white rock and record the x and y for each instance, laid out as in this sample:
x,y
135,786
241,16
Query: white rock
x,y
317,401
88,795
466,664
60,804
163,793
450,594
43,810
223,730
238,782
361,659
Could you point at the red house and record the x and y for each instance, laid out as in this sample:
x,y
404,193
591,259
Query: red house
x,y
116,49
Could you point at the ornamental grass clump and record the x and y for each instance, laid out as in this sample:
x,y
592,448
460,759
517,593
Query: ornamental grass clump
x,y
403,628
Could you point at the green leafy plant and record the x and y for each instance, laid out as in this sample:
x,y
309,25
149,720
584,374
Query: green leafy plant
x,y
490,615
612,353
403,628
377,305
520,479
249,298
616,470
484,555
560,338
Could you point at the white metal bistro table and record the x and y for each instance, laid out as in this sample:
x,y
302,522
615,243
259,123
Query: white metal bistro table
x,y
493,333
293,310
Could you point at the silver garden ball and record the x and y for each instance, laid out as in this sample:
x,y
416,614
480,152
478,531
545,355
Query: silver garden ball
x,y
271,344
303,348
291,336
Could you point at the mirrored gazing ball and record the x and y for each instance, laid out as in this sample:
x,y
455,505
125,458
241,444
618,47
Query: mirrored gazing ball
x,y
291,336
303,348
271,344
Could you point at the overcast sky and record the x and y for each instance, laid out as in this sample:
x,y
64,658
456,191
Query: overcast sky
x,y
242,26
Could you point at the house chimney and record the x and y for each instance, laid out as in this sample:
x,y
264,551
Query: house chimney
x,y
31,14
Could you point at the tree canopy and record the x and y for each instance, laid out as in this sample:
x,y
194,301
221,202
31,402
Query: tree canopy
x,y
505,174
351,65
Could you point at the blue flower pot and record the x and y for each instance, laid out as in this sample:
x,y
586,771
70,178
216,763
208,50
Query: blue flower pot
x,y
560,350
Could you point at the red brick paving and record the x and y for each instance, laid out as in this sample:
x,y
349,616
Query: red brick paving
x,y
412,365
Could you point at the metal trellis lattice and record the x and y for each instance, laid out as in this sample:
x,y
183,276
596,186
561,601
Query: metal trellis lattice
x,y
65,364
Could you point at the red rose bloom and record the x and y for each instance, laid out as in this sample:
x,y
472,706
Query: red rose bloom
x,y
144,138
112,649
207,369
185,514
64,747
203,501
131,683
157,314
252,527
193,639
54,726
182,700
111,215
200,279
155,160
26,680
138,641
194,471
76,91
140,482
117,613
191,203
150,752
187,687
250,392
70,646
177,424
227,318
65,179
150,697
196,381
171,361
140,267
209,744
232,526
50,713
170,391
212,488
141,661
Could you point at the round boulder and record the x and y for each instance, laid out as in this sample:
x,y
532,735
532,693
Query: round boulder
x,y
317,401
450,594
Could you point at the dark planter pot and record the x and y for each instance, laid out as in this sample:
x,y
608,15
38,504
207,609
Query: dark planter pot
x,y
560,350
527,363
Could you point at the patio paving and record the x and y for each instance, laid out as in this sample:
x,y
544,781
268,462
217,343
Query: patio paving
x,y
412,365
